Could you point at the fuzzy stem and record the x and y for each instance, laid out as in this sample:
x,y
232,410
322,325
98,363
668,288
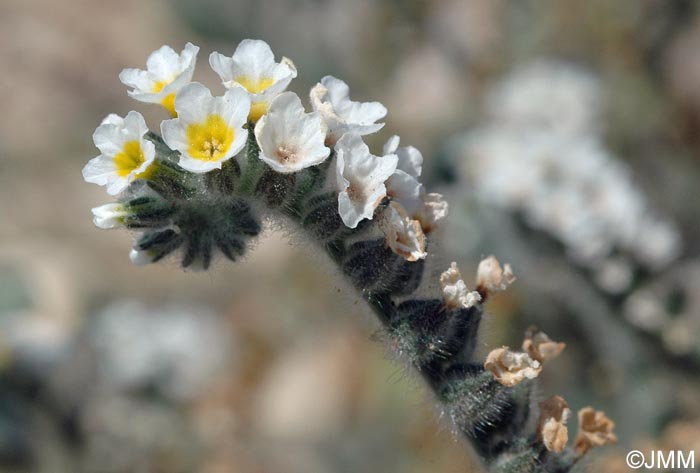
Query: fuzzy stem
x,y
202,214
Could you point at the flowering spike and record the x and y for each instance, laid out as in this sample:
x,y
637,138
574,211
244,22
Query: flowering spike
x,y
200,189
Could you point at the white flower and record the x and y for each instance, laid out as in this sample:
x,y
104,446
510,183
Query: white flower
x,y
166,74
290,139
404,187
253,68
331,98
209,130
410,158
403,234
433,210
360,179
491,276
454,290
109,215
125,152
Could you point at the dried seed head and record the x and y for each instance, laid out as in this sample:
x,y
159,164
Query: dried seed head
x,y
491,277
540,347
595,430
551,426
454,289
511,368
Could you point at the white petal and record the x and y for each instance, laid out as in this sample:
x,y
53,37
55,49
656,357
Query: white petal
x,y
163,62
113,119
360,178
234,106
108,139
193,102
174,135
99,170
140,81
391,145
109,216
340,114
256,57
135,124
410,160
222,65
405,189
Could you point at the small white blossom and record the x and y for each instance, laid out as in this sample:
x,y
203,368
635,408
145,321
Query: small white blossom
x,y
331,98
109,215
208,130
404,187
454,290
410,158
167,72
253,68
492,276
403,234
126,153
290,139
360,178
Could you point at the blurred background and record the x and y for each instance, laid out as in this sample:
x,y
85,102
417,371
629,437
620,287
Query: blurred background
x,y
565,135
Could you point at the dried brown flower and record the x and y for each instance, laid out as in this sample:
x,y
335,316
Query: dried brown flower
x,y
540,347
551,427
595,430
511,368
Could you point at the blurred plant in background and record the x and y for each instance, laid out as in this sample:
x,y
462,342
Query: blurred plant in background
x,y
437,66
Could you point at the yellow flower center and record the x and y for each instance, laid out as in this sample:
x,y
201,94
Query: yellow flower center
x,y
169,100
209,140
130,159
159,85
254,86
169,103
257,110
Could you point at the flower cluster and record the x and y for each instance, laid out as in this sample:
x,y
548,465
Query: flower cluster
x,y
550,164
252,132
